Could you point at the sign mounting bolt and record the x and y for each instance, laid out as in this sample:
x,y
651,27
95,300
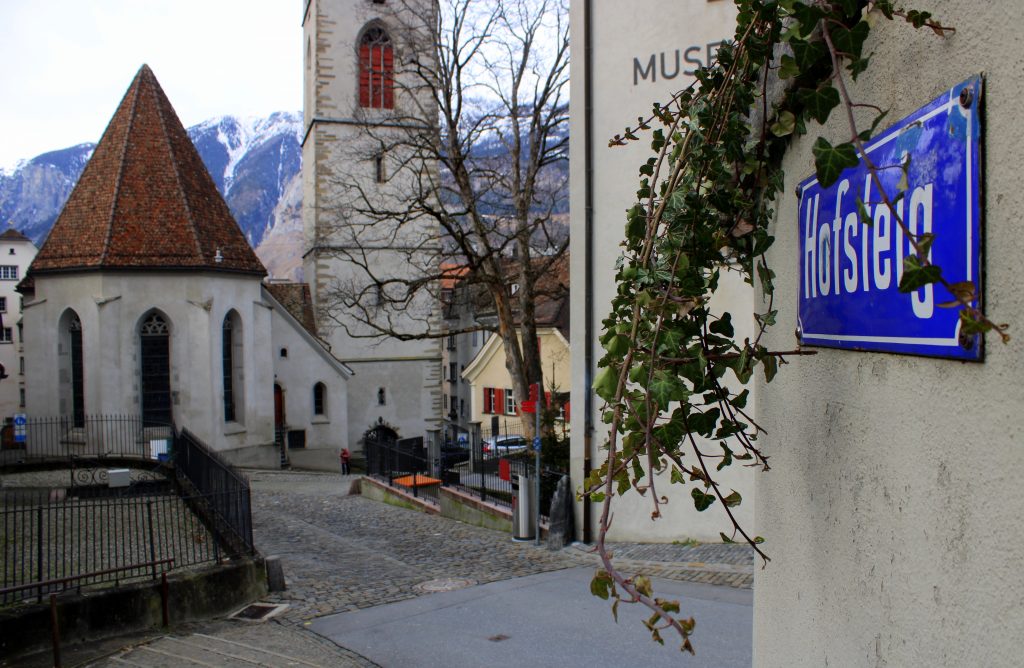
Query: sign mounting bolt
x,y
966,97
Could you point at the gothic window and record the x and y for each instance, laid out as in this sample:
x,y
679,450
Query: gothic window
x,y
319,399
231,366
376,70
155,363
71,367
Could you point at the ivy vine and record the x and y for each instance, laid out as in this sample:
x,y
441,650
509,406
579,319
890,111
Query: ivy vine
x,y
705,201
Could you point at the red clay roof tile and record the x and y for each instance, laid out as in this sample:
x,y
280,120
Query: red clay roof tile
x,y
145,200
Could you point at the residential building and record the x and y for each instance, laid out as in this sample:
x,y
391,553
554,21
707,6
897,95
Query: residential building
x,y
16,253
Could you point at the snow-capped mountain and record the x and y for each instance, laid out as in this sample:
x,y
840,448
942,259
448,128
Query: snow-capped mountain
x,y
255,163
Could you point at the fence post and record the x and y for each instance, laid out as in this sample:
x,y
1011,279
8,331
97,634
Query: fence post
x,y
54,630
152,538
39,550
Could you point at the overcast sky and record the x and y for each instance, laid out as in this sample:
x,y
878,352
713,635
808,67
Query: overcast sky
x,y
65,64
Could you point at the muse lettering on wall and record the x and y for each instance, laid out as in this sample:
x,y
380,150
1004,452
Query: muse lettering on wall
x,y
850,270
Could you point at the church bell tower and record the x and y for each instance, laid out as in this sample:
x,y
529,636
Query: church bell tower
x,y
357,111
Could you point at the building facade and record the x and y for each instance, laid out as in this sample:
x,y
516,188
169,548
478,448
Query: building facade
x,y
625,57
357,103
16,252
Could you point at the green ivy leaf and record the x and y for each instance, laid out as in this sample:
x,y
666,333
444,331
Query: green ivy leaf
x,y
733,499
606,382
916,276
820,101
784,125
863,214
850,8
726,539
723,325
808,54
601,585
701,501
850,41
830,161
788,67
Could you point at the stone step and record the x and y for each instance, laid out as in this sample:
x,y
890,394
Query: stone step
x,y
200,650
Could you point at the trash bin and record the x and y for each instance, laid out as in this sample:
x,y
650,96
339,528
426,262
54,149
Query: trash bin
x,y
524,509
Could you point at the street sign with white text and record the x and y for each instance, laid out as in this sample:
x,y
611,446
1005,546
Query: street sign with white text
x,y
850,270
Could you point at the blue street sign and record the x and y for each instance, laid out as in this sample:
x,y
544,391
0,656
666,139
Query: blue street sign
x,y
19,427
536,443
849,271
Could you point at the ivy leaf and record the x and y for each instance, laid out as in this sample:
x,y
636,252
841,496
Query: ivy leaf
x,y
807,16
701,501
830,161
850,41
820,101
784,125
788,67
726,539
733,499
807,54
665,389
916,276
723,325
601,584
849,7
857,66
606,382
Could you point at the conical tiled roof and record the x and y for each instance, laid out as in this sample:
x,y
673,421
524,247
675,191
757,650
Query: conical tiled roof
x,y
145,200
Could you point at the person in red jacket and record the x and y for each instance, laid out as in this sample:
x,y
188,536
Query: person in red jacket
x,y
344,461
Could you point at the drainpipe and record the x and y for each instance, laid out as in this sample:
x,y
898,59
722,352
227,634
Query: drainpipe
x,y
588,261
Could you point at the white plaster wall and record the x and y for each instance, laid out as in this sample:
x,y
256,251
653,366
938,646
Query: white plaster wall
x,y
893,511
111,306
297,373
19,254
622,32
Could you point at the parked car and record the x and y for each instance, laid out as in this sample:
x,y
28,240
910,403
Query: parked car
x,y
496,446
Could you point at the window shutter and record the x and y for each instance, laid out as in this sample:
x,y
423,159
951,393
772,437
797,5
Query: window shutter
x,y
499,399
488,400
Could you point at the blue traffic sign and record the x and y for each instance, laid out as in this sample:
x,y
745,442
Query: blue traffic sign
x,y
850,270
20,420
536,443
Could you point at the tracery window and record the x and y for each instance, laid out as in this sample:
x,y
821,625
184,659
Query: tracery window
x,y
376,70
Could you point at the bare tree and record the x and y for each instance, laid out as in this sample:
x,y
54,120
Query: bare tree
x,y
467,171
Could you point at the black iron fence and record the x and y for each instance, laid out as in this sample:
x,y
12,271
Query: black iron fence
x,y
90,437
50,535
404,465
224,491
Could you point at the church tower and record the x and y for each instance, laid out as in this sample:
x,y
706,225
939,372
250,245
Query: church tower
x,y
360,109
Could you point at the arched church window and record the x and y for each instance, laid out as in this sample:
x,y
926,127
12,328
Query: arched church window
x,y
231,366
155,368
319,399
376,70
73,368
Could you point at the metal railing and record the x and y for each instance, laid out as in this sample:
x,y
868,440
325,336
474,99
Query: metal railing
x,y
94,437
406,468
54,539
224,491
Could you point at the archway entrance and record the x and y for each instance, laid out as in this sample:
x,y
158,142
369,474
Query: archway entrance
x,y
155,340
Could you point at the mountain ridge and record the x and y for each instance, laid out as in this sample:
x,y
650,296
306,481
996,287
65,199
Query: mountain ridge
x,y
255,163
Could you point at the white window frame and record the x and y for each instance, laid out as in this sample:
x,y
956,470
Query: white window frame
x,y
8,272
510,402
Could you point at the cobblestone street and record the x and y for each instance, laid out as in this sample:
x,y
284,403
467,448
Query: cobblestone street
x,y
343,552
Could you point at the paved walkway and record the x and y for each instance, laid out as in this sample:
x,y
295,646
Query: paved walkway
x,y
344,553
